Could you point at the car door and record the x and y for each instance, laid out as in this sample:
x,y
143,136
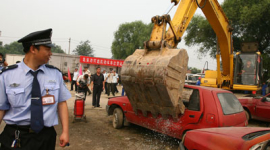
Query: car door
x,y
263,109
194,110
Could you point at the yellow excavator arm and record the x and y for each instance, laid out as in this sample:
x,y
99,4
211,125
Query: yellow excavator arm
x,y
178,25
154,77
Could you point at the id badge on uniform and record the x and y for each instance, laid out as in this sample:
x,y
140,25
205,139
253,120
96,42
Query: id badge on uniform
x,y
48,99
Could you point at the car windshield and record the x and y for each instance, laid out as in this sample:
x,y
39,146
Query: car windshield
x,y
229,103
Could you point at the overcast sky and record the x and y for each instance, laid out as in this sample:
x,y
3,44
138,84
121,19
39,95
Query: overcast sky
x,y
80,20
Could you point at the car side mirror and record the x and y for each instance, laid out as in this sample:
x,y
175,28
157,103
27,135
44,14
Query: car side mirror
x,y
264,99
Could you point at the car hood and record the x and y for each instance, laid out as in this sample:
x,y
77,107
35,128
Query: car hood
x,y
237,132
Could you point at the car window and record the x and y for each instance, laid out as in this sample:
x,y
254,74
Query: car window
x,y
194,101
229,103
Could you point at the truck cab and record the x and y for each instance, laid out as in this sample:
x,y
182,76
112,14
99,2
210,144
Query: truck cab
x,y
205,107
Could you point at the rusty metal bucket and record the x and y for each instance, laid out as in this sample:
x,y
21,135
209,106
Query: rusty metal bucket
x,y
154,81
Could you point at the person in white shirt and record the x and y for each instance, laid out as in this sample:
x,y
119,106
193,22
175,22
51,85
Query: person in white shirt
x,y
74,79
109,79
83,82
115,81
86,71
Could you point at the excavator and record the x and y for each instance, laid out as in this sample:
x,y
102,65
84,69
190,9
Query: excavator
x,y
154,77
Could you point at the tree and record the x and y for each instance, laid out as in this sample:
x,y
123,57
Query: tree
x,y
17,48
129,37
249,19
12,48
85,49
194,70
57,49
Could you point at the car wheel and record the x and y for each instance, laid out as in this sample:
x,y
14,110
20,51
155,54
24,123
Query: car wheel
x,y
118,118
247,115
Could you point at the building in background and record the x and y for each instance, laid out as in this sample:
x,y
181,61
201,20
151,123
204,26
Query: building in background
x,y
65,61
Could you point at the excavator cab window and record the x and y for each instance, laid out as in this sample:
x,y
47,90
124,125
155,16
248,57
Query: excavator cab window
x,y
246,69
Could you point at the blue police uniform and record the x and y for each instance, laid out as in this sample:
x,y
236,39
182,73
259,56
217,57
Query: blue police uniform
x,y
15,91
29,123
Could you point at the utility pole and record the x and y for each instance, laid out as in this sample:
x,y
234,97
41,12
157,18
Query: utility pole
x,y
69,46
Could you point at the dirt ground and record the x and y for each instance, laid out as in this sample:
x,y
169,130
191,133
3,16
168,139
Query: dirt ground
x,y
98,133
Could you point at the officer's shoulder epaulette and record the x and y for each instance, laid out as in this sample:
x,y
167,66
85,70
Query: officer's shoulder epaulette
x,y
51,66
8,68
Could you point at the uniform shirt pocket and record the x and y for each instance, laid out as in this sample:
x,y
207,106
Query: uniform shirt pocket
x,y
16,97
53,89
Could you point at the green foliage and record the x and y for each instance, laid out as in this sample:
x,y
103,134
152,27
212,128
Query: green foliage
x,y
129,37
84,49
200,33
57,49
17,48
12,48
194,70
249,19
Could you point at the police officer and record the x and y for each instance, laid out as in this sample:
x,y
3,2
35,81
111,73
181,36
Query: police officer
x,y
33,94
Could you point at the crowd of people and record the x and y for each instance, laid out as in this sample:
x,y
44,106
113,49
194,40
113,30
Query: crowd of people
x,y
99,82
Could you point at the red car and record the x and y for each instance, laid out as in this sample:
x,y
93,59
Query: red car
x,y
232,138
205,108
257,107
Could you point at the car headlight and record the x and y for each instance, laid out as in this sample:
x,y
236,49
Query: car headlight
x,y
259,146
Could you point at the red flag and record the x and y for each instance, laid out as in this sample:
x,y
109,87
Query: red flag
x,y
80,71
69,76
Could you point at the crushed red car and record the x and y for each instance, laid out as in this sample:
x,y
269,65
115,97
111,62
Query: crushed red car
x,y
257,107
205,108
228,138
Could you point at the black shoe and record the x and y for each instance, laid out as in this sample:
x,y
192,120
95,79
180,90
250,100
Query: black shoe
x,y
113,95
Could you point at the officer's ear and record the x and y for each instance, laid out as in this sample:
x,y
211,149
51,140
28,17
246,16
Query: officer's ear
x,y
33,49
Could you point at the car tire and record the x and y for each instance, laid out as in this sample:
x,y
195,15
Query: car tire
x,y
118,118
247,115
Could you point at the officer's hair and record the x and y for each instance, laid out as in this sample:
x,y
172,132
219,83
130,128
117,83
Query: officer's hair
x,y
26,47
97,68
86,76
2,55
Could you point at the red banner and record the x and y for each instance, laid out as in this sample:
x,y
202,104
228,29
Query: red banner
x,y
101,61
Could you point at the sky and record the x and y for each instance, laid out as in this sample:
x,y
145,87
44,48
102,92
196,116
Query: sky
x,y
81,20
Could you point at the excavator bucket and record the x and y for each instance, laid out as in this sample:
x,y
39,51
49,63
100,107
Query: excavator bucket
x,y
154,81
